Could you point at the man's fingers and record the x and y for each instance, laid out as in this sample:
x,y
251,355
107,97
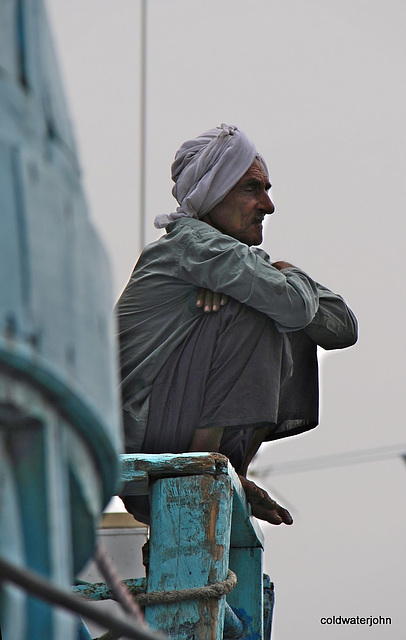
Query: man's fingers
x,y
210,300
216,298
200,298
205,299
281,264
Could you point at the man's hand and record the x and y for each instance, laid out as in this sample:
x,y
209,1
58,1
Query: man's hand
x,y
280,264
263,506
211,301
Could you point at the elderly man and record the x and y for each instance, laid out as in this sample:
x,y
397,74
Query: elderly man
x,y
218,344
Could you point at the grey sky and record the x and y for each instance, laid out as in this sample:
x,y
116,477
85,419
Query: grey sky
x,y
319,86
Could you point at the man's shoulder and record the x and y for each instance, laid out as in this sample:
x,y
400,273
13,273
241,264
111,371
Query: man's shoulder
x,y
192,227
191,230
192,239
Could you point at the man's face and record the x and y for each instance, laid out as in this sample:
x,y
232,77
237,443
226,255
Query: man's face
x,y
244,208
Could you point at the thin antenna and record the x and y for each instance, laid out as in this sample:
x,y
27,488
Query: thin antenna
x,y
143,122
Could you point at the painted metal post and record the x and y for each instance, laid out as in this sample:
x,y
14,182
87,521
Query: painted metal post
x,y
246,599
189,548
199,507
246,554
269,602
201,527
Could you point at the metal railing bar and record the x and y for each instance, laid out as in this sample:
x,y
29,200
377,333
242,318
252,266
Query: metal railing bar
x,y
46,590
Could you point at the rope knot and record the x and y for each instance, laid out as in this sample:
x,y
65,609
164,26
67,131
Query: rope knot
x,y
216,590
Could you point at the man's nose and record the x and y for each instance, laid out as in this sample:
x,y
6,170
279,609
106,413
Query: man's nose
x,y
266,203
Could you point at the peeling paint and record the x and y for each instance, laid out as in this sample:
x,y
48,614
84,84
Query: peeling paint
x,y
214,512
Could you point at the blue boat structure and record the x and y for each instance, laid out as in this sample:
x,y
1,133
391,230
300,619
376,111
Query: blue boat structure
x,y
204,576
60,436
59,418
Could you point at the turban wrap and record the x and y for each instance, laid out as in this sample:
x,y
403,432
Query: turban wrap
x,y
206,168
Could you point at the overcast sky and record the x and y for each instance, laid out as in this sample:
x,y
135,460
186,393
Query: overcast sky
x,y
319,85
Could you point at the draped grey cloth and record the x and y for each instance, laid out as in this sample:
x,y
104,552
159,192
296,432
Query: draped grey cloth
x,y
207,382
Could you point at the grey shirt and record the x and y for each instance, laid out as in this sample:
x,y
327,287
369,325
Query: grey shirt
x,y
158,309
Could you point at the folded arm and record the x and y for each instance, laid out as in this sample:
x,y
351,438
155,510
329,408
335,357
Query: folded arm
x,y
222,264
334,326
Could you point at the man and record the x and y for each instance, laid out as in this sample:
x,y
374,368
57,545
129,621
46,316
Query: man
x,y
218,344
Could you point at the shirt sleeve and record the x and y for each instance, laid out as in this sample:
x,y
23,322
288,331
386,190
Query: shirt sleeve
x,y
334,326
221,263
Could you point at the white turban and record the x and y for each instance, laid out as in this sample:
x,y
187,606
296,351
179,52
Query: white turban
x,y
206,169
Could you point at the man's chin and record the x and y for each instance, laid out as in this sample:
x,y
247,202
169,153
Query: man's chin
x,y
252,238
255,239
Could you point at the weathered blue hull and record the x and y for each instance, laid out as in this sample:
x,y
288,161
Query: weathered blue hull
x,y
59,418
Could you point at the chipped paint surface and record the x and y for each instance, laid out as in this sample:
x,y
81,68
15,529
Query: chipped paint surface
x,y
189,548
101,591
201,527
